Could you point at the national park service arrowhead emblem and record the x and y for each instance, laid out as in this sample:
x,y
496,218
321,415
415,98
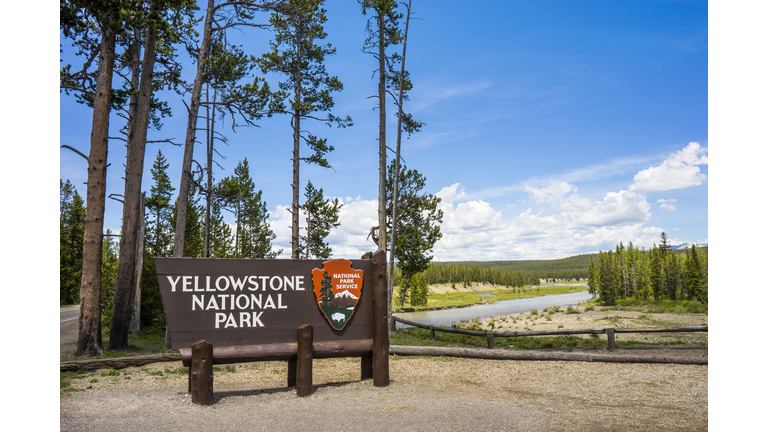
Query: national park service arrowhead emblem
x,y
338,288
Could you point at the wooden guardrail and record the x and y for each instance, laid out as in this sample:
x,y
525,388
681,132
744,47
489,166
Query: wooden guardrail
x,y
491,336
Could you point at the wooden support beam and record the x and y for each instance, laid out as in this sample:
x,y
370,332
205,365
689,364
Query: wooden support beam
x,y
611,339
380,328
286,351
304,338
482,353
292,372
431,333
366,367
202,373
491,341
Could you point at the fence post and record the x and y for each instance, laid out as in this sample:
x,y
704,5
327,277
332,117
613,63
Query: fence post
x,y
304,360
201,373
491,340
611,339
431,333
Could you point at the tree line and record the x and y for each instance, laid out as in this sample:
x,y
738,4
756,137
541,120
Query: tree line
x,y
629,272
129,52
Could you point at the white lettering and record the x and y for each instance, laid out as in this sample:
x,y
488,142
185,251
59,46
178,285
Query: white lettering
x,y
272,283
287,281
212,303
257,320
255,300
280,302
225,286
245,317
242,296
230,322
263,282
187,281
196,284
269,304
299,282
173,282
198,301
237,284
208,284
252,281
223,300
220,317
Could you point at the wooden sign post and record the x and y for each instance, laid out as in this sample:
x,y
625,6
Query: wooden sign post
x,y
251,310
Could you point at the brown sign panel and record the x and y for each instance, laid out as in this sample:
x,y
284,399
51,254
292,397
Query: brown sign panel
x,y
232,302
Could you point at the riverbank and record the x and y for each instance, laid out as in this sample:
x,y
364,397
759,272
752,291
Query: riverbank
x,y
449,296
589,315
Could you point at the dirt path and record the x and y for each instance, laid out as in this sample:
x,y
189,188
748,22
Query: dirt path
x,y
425,394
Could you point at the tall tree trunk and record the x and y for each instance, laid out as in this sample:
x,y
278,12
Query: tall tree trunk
x,y
208,151
295,249
89,340
189,143
396,178
382,137
137,140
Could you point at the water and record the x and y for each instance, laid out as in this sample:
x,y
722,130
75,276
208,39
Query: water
x,y
501,308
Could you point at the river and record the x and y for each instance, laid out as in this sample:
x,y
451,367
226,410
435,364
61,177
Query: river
x,y
446,317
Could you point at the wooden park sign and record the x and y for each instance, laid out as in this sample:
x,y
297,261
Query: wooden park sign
x,y
221,311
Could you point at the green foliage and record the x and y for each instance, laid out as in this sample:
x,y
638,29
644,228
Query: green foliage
x,y
659,273
71,229
109,261
159,231
194,231
418,224
253,235
419,290
322,216
152,315
295,55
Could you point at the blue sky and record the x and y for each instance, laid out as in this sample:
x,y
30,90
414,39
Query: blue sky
x,y
553,128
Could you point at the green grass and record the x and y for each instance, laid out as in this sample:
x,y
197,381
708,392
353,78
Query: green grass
x,y
661,306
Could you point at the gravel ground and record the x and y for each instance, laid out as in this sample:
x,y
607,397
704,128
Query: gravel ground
x,y
425,394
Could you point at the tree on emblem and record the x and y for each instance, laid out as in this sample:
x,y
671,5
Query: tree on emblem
x,y
326,291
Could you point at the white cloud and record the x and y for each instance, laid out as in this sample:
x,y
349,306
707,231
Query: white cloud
x,y
668,207
678,171
475,231
662,200
551,193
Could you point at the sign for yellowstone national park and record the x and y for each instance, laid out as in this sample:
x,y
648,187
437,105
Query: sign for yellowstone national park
x,y
231,302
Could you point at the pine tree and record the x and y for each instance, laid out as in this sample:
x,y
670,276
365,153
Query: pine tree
x,y
253,235
159,228
419,290
221,234
418,225
322,216
297,25
657,273
693,275
71,226
194,232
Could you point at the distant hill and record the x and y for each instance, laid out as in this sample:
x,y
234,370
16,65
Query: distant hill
x,y
688,245
574,267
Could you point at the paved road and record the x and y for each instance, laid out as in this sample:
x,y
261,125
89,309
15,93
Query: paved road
x,y
68,327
